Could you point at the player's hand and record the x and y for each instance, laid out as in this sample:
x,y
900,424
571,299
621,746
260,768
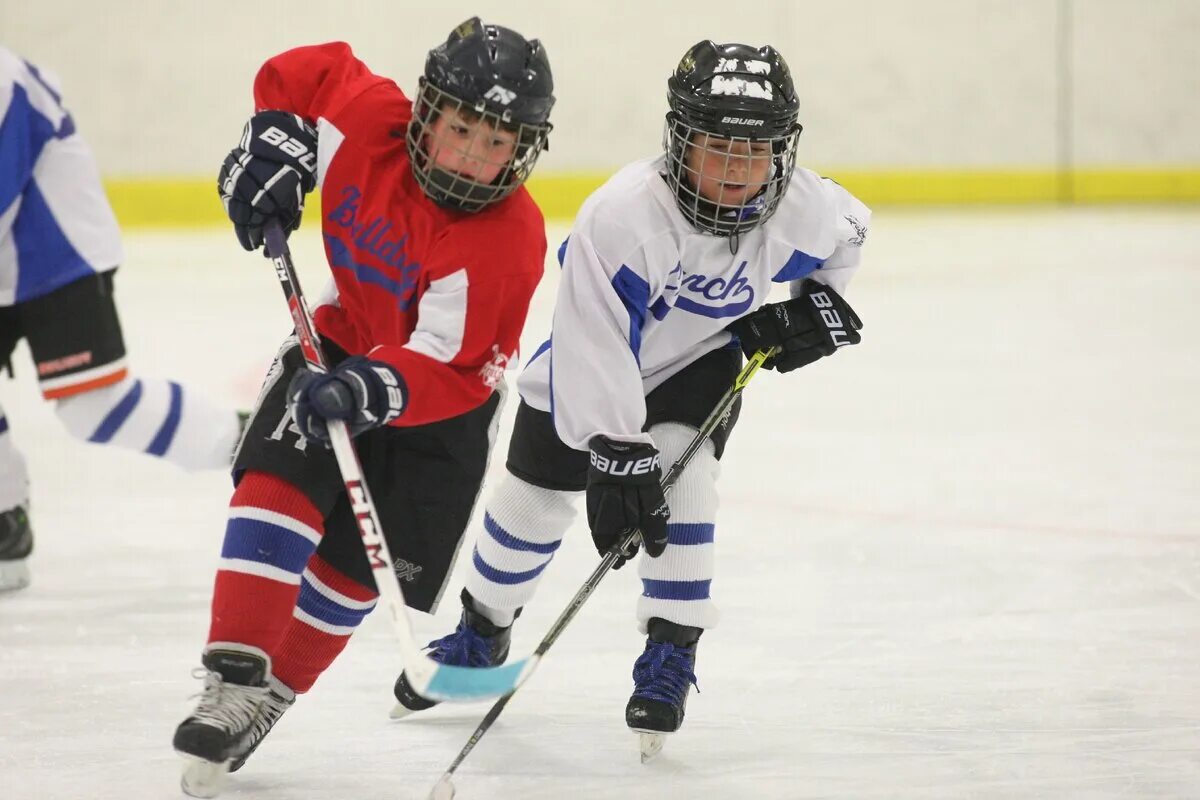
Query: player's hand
x,y
267,175
624,491
362,393
810,326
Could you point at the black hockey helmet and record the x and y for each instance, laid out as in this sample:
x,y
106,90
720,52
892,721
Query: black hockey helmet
x,y
739,95
490,73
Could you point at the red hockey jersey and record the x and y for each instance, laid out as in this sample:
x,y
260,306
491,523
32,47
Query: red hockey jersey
x,y
441,295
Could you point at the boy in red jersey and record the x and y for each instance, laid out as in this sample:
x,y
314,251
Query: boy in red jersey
x,y
435,249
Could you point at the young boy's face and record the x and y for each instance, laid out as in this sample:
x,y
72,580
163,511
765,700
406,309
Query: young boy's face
x,y
462,143
727,172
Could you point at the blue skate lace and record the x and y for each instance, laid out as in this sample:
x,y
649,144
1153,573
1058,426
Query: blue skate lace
x,y
463,648
663,672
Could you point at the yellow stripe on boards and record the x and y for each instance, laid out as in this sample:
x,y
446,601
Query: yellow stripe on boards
x,y
193,202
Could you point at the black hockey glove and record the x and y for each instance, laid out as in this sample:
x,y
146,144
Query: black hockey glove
x,y
267,175
362,393
623,492
810,326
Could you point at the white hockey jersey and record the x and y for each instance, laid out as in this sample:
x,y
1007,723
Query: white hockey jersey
x,y
643,293
56,225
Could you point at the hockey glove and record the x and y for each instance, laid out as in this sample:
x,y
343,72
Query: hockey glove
x,y
624,491
267,175
810,326
362,393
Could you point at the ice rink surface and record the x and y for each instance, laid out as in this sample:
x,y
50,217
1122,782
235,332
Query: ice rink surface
x,y
961,560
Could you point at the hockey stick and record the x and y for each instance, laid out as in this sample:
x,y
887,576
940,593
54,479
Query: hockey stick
x,y
444,789
429,678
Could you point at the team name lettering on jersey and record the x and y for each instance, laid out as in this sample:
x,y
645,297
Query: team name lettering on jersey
x,y
737,290
371,238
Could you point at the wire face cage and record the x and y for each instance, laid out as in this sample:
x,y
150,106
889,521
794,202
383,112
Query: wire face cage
x,y
467,156
727,185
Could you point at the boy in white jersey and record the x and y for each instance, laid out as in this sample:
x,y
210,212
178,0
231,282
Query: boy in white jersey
x,y
664,279
59,248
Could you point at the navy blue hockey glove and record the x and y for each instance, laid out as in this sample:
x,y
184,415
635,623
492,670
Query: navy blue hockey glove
x,y
810,326
362,393
267,175
624,491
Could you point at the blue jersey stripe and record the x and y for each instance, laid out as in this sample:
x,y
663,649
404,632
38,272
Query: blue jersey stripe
x,y
67,126
502,577
166,434
506,539
46,260
115,418
256,540
675,590
33,70
799,265
635,296
551,387
23,134
3,425
543,347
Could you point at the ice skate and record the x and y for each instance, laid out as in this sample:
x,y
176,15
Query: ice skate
x,y
235,689
278,700
16,543
662,676
476,642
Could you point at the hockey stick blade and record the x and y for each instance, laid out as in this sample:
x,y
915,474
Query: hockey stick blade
x,y
443,682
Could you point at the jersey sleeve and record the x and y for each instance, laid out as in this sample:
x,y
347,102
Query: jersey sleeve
x,y
469,321
314,81
595,373
31,116
851,220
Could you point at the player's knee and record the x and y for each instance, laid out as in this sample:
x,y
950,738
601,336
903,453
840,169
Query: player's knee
x,y
672,439
520,493
87,415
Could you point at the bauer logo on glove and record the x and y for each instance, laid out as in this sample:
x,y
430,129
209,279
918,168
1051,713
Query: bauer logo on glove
x,y
622,467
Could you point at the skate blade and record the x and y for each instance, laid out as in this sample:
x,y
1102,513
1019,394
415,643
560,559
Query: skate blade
x,y
442,790
13,575
651,743
203,778
400,711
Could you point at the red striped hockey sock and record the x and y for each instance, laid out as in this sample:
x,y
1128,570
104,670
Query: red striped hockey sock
x,y
272,532
329,608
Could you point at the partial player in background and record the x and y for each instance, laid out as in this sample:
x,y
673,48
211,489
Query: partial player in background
x,y
663,262
59,249
435,248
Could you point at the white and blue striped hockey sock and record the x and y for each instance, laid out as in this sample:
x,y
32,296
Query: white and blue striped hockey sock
x,y
157,417
676,586
523,526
